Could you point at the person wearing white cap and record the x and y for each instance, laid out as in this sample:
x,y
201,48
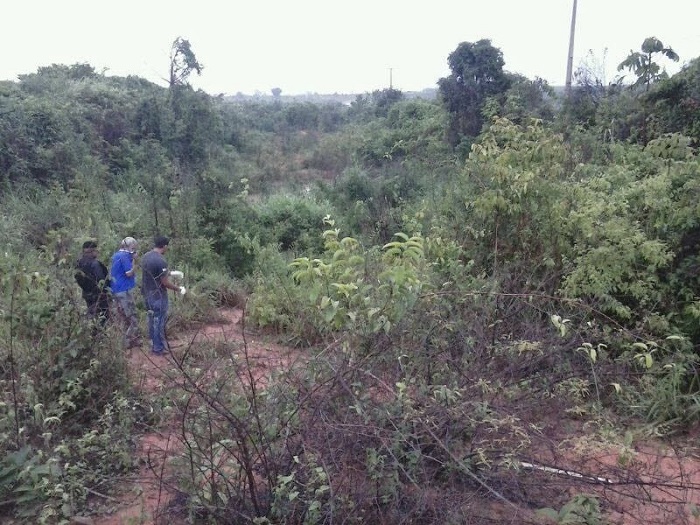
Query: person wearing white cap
x,y
123,274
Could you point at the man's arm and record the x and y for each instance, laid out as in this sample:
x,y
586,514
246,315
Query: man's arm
x,y
131,271
102,275
99,271
85,283
167,283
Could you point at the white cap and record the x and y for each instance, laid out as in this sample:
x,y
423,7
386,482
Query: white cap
x,y
128,243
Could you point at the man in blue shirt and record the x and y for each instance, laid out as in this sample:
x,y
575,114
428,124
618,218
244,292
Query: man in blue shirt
x,y
155,283
123,274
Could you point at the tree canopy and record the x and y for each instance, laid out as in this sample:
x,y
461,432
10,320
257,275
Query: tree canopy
x,y
476,74
644,65
183,62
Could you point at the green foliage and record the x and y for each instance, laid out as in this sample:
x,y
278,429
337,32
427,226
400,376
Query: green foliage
x,y
302,116
366,108
26,481
675,102
348,290
512,199
543,270
476,74
67,420
304,501
220,288
413,130
623,264
643,64
583,509
595,234
191,129
51,485
340,291
39,140
289,223
671,146
273,305
292,223
372,207
619,116
183,62
628,228
334,152
668,388
526,99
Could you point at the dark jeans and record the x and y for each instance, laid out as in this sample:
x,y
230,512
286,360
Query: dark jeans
x,y
98,308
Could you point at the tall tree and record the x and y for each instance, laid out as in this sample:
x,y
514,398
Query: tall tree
x,y
191,120
477,73
643,64
183,62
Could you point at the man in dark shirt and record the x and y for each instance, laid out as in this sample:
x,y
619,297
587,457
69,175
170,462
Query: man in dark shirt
x,y
92,279
155,283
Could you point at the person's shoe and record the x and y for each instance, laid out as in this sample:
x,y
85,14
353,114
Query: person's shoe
x,y
160,352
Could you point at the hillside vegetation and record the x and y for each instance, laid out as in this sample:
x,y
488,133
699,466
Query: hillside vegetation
x,y
492,279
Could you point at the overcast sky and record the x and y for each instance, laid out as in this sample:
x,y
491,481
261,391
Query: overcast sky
x,y
329,46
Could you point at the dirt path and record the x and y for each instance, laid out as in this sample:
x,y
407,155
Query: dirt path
x,y
660,485
144,498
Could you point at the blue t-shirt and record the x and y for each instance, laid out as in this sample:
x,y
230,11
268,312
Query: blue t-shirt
x,y
122,262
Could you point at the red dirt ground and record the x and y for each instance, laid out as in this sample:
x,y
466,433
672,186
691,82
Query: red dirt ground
x,y
629,502
152,489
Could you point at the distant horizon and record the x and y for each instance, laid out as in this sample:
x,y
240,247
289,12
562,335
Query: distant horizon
x,y
259,93
106,73
311,46
195,79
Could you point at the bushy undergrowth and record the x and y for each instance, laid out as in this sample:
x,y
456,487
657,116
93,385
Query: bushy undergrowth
x,y
67,415
460,312
447,384
417,426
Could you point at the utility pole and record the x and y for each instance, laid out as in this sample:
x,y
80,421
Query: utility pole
x,y
570,59
391,78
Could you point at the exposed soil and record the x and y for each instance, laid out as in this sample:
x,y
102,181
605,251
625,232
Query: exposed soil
x,y
650,484
144,498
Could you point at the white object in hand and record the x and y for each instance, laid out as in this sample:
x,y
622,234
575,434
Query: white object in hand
x,y
183,290
177,273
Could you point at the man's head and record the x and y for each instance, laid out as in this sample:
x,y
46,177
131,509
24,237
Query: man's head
x,y
90,248
129,244
161,242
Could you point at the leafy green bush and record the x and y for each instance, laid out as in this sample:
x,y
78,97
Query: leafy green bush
x,y
67,416
52,484
293,223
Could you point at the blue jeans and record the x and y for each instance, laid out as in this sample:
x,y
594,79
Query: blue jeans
x,y
157,316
